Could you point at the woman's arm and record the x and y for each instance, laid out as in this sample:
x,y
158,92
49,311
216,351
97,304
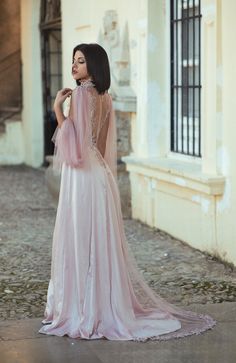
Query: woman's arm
x,y
60,98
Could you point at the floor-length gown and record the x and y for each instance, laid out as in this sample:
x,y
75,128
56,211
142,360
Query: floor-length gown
x,y
96,290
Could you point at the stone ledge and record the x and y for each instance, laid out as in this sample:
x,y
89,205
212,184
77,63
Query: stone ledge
x,y
12,148
182,174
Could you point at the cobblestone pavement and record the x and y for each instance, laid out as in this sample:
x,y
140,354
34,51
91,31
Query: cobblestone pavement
x,y
175,271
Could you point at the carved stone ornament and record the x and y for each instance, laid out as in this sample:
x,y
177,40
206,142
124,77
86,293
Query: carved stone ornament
x,y
117,46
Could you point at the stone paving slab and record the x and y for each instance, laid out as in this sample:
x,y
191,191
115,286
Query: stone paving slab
x,y
21,343
174,270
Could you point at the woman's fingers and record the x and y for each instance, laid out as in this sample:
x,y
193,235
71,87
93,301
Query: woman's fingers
x,y
66,91
62,95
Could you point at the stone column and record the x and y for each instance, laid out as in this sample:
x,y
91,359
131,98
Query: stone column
x,y
32,113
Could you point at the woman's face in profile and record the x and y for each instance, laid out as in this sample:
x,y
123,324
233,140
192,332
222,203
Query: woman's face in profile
x,y
79,67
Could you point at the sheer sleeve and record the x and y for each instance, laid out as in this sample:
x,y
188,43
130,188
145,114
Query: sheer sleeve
x,y
90,122
71,138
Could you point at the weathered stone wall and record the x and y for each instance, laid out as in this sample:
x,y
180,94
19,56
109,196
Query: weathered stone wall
x,y
123,122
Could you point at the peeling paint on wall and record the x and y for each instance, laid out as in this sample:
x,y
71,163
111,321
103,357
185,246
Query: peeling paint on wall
x,y
196,198
156,126
223,157
205,203
224,203
209,13
219,76
152,43
153,183
219,116
180,181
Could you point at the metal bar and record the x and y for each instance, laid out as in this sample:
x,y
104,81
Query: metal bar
x,y
182,68
199,75
52,24
59,61
58,65
184,86
177,80
55,75
172,134
194,70
55,52
188,77
48,70
186,18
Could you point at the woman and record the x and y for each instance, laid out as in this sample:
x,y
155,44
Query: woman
x,y
95,290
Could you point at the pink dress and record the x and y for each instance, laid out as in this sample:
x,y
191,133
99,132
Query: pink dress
x,y
96,290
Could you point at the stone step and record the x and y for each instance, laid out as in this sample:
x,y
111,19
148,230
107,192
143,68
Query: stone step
x,y
8,113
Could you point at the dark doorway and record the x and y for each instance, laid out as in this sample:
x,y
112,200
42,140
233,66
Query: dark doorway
x,y
10,62
51,65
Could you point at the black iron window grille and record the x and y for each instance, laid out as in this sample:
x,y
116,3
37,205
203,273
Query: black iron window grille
x,y
186,77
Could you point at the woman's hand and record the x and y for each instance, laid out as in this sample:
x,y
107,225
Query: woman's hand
x,y
61,96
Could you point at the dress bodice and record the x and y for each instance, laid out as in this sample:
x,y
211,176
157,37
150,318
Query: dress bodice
x,y
99,108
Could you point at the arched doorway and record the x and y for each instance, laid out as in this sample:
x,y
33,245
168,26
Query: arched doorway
x,y
50,26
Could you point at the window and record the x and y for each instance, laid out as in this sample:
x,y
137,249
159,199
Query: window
x,y
186,77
